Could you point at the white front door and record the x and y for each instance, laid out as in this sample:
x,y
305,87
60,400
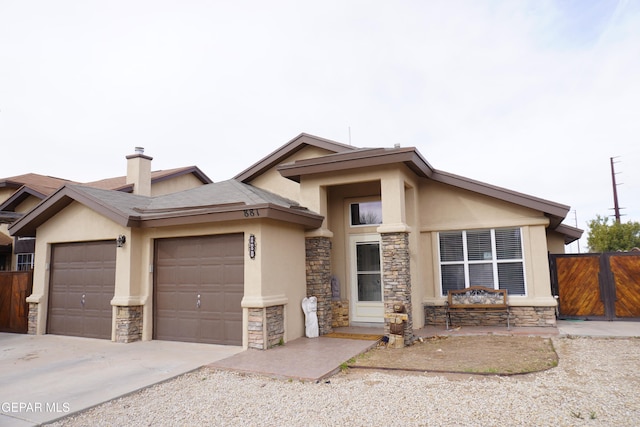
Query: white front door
x,y
366,279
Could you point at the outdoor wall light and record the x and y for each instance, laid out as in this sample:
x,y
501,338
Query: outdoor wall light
x,y
121,240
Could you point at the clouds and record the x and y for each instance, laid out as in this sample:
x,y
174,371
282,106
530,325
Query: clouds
x,y
534,96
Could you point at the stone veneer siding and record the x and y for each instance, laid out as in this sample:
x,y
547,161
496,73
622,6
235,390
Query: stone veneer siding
x,y
32,327
318,265
396,276
266,327
128,323
520,316
340,313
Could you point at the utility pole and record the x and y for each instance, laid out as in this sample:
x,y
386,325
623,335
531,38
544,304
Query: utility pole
x,y
616,207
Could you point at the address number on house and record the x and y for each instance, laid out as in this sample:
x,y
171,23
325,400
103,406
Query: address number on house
x,y
251,212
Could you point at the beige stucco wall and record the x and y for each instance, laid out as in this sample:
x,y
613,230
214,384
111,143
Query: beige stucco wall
x,y
420,207
5,193
555,242
28,204
444,207
271,180
275,277
75,223
175,184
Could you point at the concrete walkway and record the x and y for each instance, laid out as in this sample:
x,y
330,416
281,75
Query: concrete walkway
x,y
46,377
306,359
600,329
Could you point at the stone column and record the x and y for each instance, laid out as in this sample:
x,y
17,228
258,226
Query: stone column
x,y
396,275
32,328
266,327
128,323
318,260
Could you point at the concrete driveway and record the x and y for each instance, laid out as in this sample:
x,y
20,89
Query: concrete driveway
x,y
46,377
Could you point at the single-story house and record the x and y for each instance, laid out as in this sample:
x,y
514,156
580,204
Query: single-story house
x,y
230,262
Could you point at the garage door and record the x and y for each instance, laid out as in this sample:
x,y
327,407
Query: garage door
x,y
199,284
81,286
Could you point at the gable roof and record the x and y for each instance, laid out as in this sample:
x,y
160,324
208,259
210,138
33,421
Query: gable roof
x,y
119,183
224,201
411,157
41,184
296,144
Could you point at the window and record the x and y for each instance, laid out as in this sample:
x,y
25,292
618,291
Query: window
x,y
490,258
366,213
24,262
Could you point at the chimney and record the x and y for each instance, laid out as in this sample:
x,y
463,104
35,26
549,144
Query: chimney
x,y
139,172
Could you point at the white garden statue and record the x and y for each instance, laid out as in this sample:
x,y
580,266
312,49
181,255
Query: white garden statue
x,y
310,307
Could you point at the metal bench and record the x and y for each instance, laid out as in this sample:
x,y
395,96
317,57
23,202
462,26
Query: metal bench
x,y
477,298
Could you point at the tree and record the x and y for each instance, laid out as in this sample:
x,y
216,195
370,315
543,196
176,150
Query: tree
x,y
606,237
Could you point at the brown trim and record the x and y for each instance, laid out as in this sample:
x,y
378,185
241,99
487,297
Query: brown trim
x,y
236,213
296,144
20,196
556,211
136,155
413,160
571,234
358,159
27,225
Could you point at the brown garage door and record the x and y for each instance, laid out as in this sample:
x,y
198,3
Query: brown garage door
x,y
199,284
81,287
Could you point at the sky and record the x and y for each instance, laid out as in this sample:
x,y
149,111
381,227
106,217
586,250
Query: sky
x,y
534,96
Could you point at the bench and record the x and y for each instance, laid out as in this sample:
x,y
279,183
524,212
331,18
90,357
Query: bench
x,y
477,298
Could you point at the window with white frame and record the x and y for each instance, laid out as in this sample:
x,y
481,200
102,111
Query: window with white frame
x,y
24,262
491,258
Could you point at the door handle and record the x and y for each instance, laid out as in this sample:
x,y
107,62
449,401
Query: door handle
x,y
82,300
198,302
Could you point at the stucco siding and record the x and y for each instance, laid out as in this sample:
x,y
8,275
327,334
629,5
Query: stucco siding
x,y
271,179
555,242
75,223
444,207
175,184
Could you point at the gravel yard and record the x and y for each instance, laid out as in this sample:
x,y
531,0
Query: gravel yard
x,y
597,383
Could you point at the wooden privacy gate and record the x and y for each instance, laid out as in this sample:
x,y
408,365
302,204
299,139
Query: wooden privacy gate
x,y
597,286
15,287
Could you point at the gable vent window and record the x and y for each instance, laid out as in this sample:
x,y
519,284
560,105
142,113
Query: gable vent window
x,y
491,258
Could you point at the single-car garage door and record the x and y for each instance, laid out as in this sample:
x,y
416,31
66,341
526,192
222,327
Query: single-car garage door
x,y
199,284
81,286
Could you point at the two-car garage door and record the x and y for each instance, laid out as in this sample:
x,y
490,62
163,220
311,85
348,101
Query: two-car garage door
x,y
198,289
199,284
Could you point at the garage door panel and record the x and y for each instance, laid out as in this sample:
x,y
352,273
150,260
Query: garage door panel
x,y
212,267
82,272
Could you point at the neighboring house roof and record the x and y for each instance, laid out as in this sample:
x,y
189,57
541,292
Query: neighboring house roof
x,y
30,184
40,186
223,201
296,144
40,183
412,158
120,183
